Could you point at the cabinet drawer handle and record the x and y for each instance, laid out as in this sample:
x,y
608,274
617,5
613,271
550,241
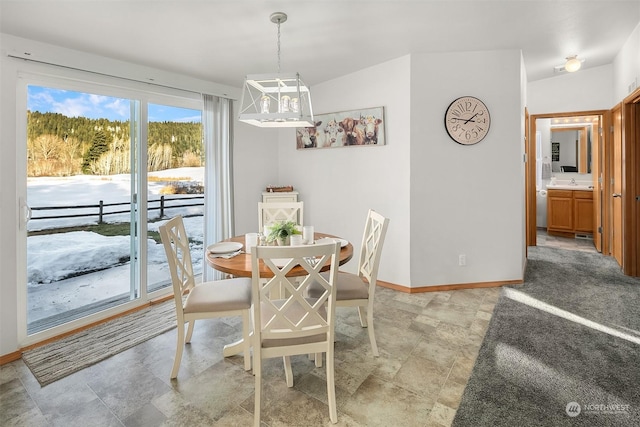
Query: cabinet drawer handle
x,y
617,194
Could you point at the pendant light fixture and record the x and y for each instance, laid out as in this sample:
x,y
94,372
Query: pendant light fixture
x,y
276,100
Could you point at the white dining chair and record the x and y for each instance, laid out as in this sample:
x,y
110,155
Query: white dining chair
x,y
220,298
270,212
295,324
358,290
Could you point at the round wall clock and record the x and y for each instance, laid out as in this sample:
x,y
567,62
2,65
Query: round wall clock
x,y
467,120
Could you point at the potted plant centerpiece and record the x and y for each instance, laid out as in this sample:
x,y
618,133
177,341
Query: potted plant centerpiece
x,y
280,231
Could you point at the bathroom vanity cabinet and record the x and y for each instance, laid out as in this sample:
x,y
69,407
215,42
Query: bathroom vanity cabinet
x,y
583,214
570,212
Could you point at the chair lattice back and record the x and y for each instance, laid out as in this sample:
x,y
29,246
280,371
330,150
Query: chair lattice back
x,y
271,212
294,316
176,245
371,249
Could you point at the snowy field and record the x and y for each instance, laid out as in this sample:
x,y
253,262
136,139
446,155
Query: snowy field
x,y
57,263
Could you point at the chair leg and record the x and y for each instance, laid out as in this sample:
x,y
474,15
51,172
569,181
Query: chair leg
x,y
288,373
372,335
179,348
257,371
331,387
192,323
363,318
246,320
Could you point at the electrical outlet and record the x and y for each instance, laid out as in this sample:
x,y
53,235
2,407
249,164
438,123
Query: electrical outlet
x,y
462,260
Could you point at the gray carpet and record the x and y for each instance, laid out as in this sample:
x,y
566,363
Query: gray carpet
x,y
58,359
562,349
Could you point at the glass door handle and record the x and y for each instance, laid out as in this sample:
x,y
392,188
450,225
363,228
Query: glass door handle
x,y
26,213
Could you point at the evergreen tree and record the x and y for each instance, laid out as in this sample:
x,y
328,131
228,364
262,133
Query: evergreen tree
x,y
98,147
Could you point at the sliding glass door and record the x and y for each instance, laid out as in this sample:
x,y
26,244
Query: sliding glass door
x,y
104,168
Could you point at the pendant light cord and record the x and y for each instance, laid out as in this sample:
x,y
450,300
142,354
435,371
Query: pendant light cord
x,y
278,46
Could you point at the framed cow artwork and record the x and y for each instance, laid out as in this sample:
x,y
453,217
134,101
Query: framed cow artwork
x,y
344,129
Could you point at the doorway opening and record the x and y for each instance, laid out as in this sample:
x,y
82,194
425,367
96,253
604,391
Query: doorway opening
x,y
564,176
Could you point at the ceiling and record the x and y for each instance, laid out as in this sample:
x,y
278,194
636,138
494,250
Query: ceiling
x,y
222,41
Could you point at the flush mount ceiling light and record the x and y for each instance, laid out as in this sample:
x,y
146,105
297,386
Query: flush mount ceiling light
x,y
276,100
572,64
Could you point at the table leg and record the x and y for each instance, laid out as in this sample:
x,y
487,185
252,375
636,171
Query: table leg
x,y
233,348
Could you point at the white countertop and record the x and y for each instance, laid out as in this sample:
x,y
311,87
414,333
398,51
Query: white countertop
x,y
578,187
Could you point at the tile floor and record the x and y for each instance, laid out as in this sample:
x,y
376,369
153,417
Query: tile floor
x,y
428,344
577,244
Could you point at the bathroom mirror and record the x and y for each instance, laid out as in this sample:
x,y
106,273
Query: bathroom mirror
x,y
571,149
564,144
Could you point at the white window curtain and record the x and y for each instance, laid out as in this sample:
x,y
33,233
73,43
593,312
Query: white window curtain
x,y
218,201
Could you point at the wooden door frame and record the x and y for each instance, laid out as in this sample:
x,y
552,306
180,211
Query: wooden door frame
x,y
631,184
597,163
615,129
527,183
607,175
530,173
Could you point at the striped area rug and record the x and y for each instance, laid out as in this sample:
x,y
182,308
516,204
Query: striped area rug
x,y
58,359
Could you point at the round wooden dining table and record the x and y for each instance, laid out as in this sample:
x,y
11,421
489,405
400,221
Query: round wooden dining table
x,y
240,265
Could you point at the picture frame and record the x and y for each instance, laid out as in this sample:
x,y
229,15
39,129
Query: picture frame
x,y
354,128
555,151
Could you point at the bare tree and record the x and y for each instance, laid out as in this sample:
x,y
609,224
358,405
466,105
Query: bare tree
x,y
70,157
44,155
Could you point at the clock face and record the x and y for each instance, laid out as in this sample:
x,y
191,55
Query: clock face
x,y
467,120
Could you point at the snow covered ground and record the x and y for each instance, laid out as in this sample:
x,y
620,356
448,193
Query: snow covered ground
x,y
57,263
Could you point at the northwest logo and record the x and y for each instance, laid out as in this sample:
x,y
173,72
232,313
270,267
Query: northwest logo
x,y
573,409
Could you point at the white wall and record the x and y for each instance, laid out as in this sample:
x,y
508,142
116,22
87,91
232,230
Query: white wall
x,y
584,90
255,164
523,127
466,199
626,76
8,210
339,185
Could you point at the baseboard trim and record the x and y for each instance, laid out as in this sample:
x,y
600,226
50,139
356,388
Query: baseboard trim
x,y
11,357
440,288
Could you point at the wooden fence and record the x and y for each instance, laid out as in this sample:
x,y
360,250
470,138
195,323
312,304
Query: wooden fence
x,y
102,209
